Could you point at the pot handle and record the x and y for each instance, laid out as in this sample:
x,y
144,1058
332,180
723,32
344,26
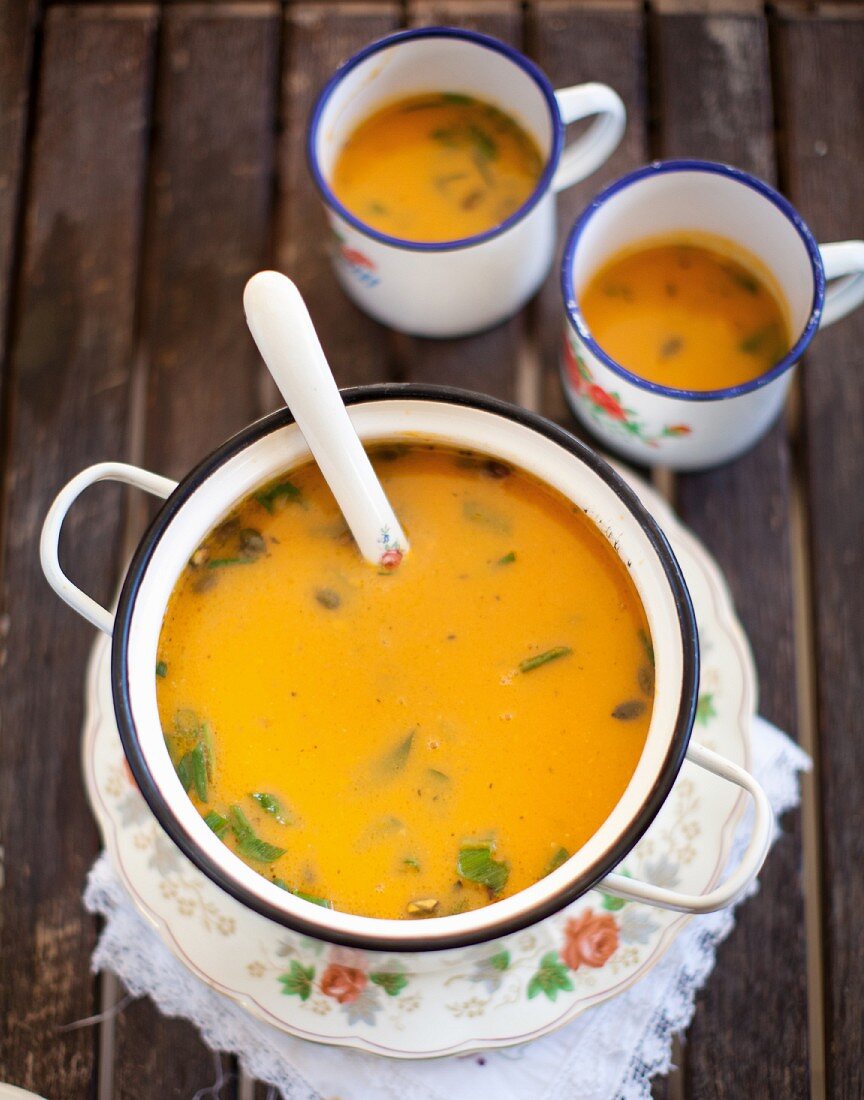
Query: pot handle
x,y
85,605
751,863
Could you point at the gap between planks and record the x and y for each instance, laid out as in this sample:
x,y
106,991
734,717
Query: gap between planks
x,y
808,738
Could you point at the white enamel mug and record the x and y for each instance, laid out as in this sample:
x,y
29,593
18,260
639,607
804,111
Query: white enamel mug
x,y
455,287
693,429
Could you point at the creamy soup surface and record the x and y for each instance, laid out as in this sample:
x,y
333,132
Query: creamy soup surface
x,y
412,742
436,167
693,311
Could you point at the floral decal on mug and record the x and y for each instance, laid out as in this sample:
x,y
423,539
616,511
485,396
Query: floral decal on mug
x,y
355,261
606,407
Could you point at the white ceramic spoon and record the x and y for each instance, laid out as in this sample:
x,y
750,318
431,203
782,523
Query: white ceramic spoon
x,y
282,328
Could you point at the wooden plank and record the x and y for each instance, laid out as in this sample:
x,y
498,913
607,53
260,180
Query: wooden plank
x,y
207,231
574,46
17,25
69,390
821,81
742,511
318,38
488,362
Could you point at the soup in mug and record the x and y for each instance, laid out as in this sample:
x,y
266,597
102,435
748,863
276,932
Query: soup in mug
x,y
415,741
692,311
436,167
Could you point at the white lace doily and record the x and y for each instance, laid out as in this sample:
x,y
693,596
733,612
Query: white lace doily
x,y
610,1051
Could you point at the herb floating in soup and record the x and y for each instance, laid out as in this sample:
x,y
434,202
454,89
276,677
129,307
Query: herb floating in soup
x,y
693,312
413,743
436,167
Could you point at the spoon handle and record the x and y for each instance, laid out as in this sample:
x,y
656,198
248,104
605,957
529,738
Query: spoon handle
x,y
282,328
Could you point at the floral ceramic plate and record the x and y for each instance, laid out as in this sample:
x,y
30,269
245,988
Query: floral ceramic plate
x,y
451,1002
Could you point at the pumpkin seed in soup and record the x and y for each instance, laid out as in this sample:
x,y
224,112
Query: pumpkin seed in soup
x,y
437,167
427,741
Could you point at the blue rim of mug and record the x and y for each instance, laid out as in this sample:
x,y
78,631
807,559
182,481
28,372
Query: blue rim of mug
x,y
660,167
485,40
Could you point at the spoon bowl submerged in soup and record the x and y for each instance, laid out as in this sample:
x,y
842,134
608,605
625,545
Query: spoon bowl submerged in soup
x,y
409,743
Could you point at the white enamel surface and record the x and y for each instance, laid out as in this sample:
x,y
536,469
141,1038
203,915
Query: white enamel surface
x,y
241,954
666,430
450,293
458,426
462,290
282,328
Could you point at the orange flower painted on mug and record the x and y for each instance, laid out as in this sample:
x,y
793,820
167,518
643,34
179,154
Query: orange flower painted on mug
x,y
343,983
590,940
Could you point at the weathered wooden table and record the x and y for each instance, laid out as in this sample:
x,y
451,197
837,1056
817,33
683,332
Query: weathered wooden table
x,y
151,158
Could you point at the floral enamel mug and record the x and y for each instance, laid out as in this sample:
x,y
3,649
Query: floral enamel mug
x,y
451,288
693,429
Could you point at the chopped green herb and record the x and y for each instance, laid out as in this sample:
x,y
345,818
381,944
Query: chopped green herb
x,y
199,771
645,676
441,777
161,669
377,208
219,563
555,654
328,598
240,823
271,805
648,646
744,279
257,850
312,898
184,771
508,559
396,759
628,710
764,341
205,734
560,857
671,347
216,822
282,491
411,864
483,143
618,290
457,97
477,864
475,512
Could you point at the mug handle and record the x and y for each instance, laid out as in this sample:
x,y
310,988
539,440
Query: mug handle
x,y
85,605
751,863
843,260
597,144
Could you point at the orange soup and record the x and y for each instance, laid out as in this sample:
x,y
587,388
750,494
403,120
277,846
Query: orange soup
x,y
407,743
693,311
436,167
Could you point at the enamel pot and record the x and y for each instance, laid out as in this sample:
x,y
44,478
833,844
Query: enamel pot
x,y
456,419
